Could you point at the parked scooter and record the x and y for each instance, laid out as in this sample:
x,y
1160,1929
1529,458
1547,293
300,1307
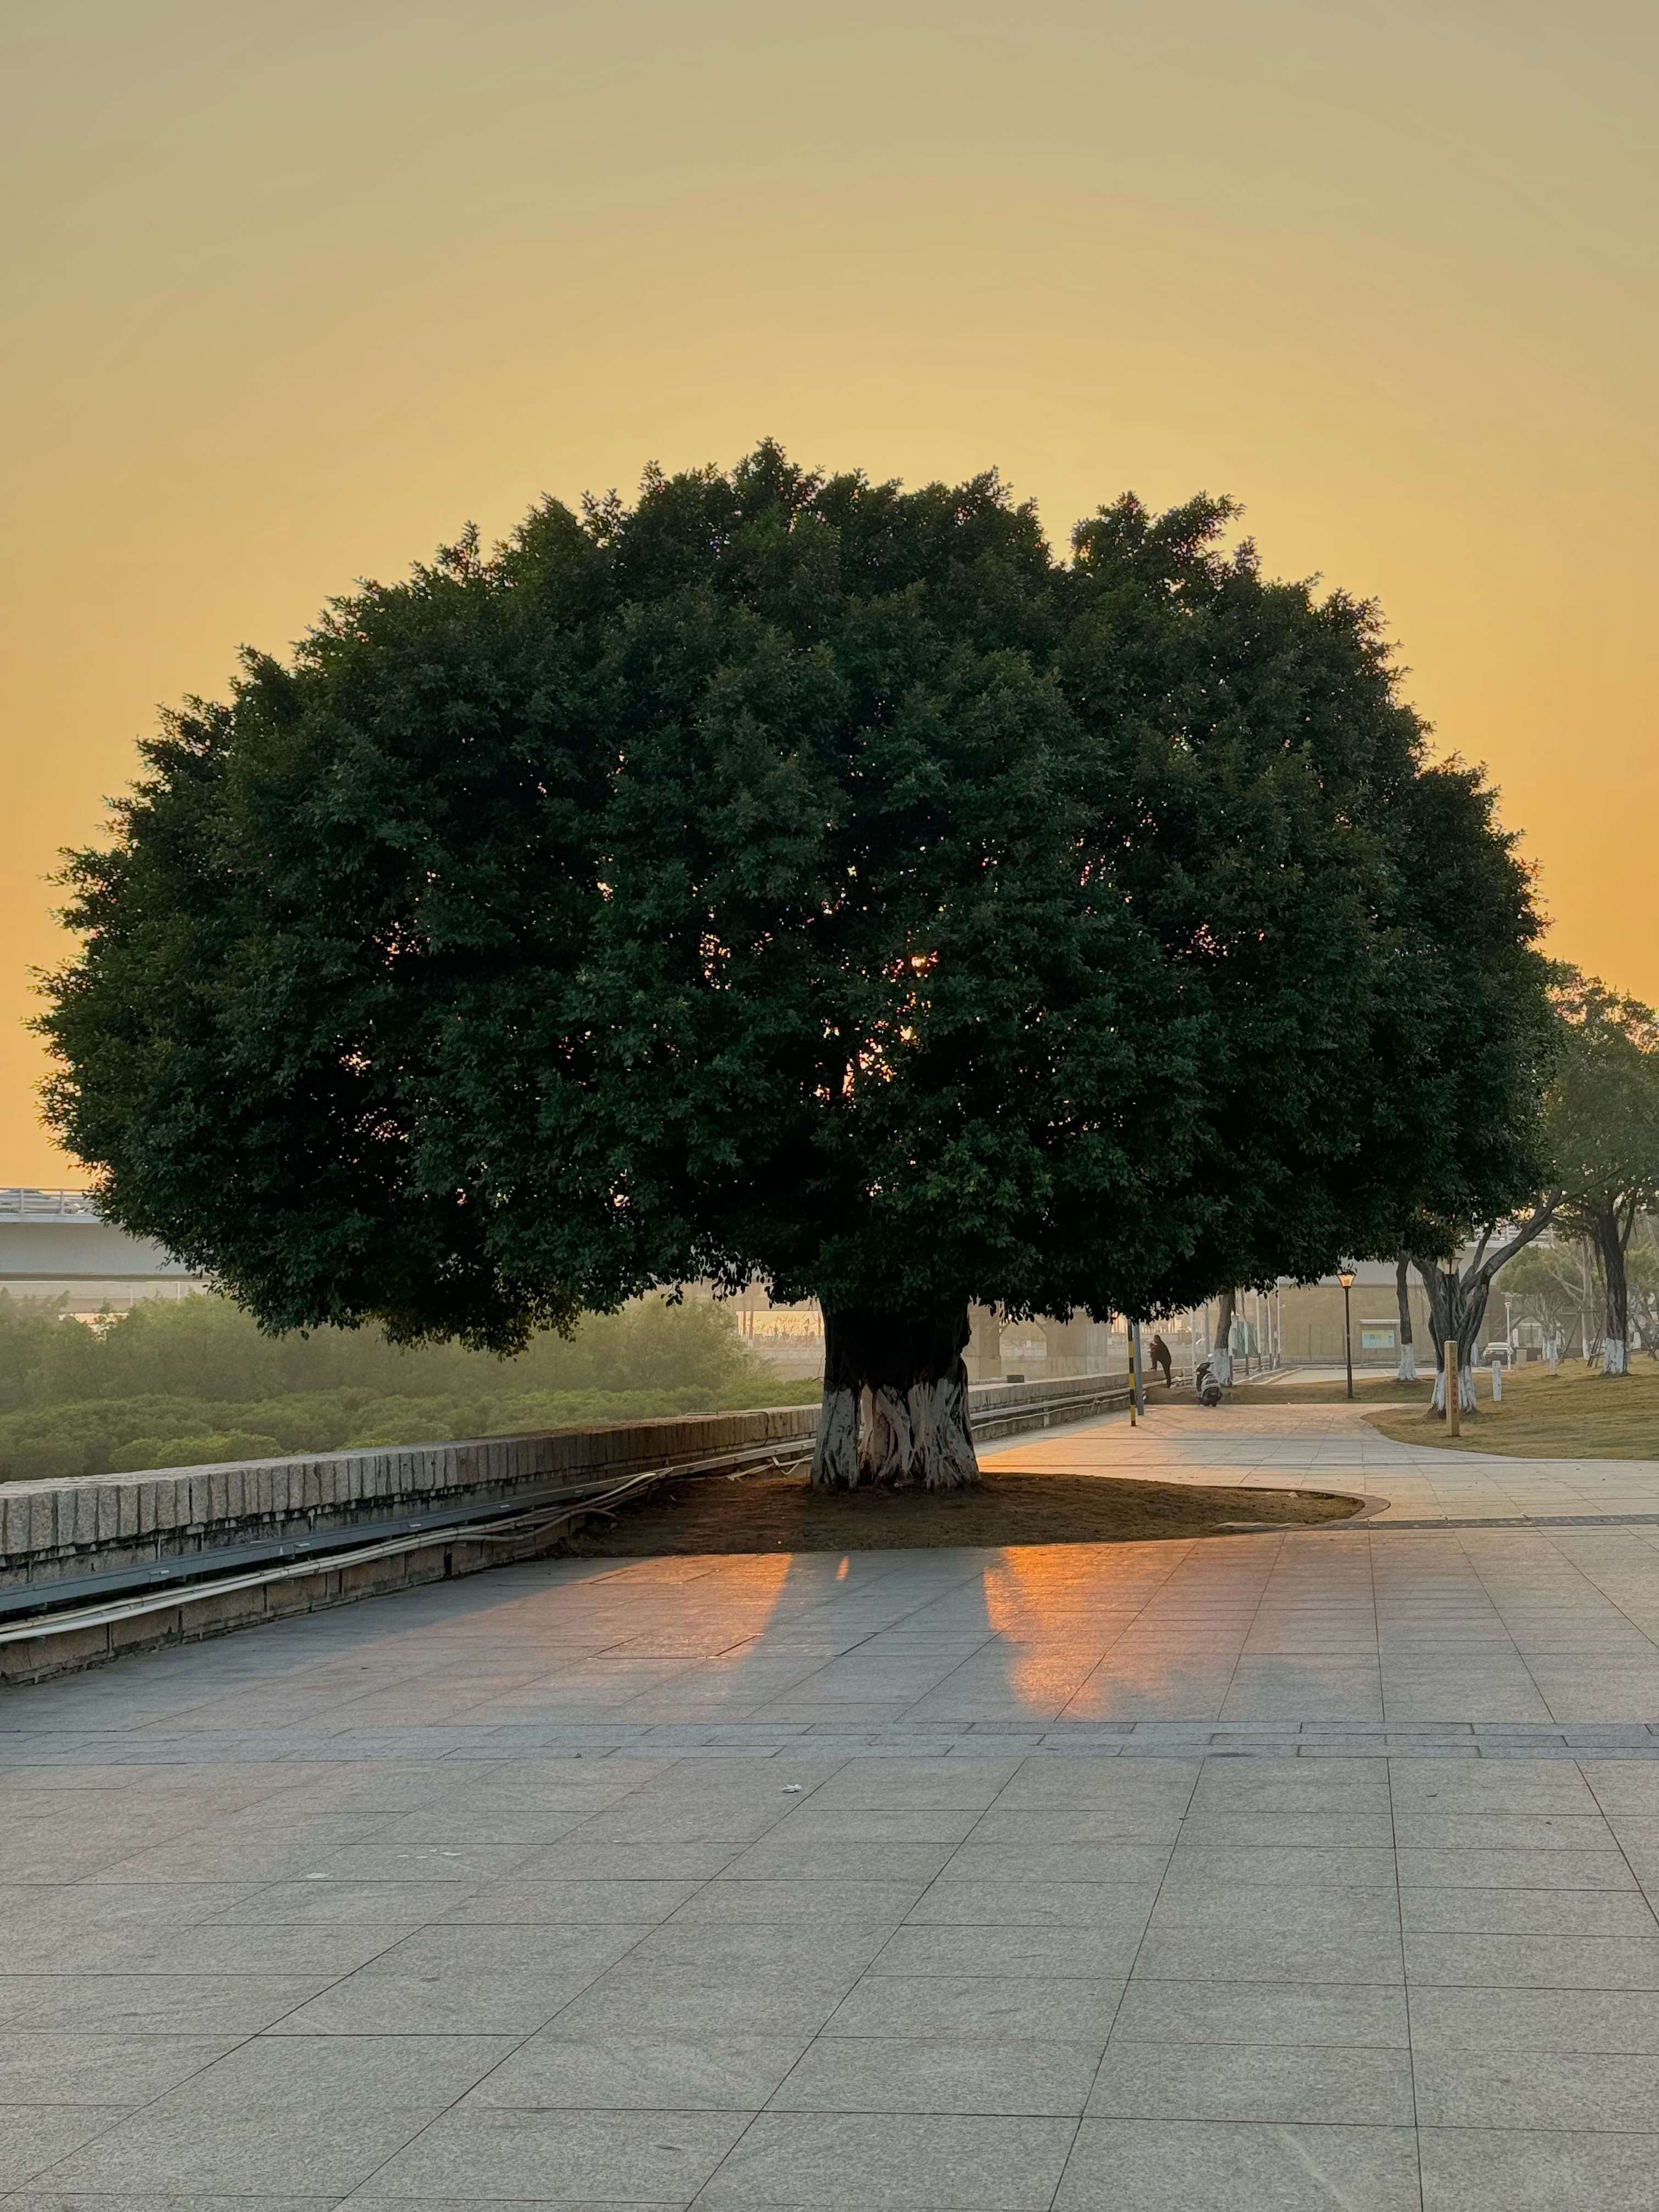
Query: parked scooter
x,y
1209,1384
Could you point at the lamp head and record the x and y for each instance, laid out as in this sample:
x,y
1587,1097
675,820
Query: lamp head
x,y
1346,1277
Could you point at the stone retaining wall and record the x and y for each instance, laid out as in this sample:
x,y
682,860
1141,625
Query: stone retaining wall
x,y
50,1531
64,1539
64,1529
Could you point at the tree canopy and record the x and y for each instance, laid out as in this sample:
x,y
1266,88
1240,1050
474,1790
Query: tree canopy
x,y
1602,1115
796,879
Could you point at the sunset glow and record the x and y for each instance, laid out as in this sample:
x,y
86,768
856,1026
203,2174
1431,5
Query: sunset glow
x,y
296,293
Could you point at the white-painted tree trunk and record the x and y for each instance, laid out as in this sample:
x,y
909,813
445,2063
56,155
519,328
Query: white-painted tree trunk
x,y
1403,1298
1221,1351
835,1455
883,1436
1615,1356
1465,1390
941,1444
895,1405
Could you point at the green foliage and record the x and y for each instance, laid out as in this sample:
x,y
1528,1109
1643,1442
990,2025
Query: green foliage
x,y
1602,1111
1602,1119
192,1451
796,879
188,1383
1475,1037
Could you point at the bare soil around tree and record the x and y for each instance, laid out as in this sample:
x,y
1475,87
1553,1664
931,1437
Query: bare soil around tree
x,y
775,1512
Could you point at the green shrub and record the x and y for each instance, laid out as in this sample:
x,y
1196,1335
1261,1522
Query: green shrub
x,y
385,1421
189,1383
161,1452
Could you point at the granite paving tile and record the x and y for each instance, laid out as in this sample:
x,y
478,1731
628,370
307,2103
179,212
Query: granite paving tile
x,y
1171,2165
913,2074
479,2151
1621,2022
1529,2089
152,2004
176,2149
1575,1961
1526,1912
34,2138
893,2162
995,2009
678,2003
1254,2081
1103,1949
553,2070
1011,1903
1316,2014
1537,2170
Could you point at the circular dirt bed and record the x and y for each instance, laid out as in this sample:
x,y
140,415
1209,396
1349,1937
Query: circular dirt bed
x,y
784,1513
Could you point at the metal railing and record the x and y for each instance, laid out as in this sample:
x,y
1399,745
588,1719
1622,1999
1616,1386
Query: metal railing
x,y
22,1202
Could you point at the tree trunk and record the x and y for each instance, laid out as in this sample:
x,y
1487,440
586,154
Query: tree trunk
x,y
1584,1299
1407,1349
835,1456
1615,1328
1457,1309
905,1377
1221,1347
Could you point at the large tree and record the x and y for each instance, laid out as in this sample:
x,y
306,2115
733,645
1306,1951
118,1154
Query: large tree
x,y
785,878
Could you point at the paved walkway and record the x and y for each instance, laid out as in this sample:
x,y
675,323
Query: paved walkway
x,y
1249,1875
1252,1440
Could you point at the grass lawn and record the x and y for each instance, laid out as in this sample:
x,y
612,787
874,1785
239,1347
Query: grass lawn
x,y
1579,1413
1372,1390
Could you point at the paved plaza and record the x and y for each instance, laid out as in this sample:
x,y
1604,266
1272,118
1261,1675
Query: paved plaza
x,y
1252,1875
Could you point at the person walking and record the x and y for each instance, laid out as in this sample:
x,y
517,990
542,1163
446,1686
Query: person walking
x,y
1159,1352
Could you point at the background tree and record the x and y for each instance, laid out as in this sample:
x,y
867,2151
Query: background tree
x,y
1641,1279
1552,1279
1602,1118
1221,1349
1407,1369
1595,1135
793,879
1474,1038
1457,1279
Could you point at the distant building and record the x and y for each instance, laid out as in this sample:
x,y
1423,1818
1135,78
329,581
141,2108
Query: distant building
x,y
56,1244
1307,1319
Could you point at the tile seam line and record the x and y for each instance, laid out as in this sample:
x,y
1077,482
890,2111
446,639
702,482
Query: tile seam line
x,y
1147,1602
823,1600
1400,1909
542,2028
118,2112
1117,2010
1580,1577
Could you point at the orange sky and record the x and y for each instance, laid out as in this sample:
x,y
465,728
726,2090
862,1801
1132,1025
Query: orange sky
x,y
296,291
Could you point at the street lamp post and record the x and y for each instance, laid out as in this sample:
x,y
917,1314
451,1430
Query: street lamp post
x,y
1346,1278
